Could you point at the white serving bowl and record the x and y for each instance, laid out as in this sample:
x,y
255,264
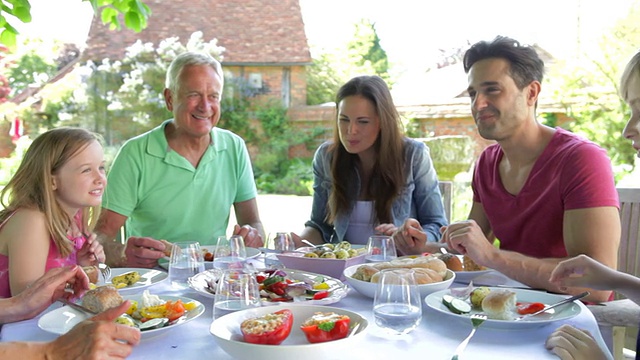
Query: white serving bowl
x,y
227,334
368,289
331,267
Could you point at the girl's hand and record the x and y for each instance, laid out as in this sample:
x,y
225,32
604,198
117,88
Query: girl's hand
x,y
91,252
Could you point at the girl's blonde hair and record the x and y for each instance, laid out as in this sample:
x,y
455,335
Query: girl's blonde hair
x,y
32,185
632,69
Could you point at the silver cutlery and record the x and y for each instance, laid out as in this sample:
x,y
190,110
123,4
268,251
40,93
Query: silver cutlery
x,y
476,321
105,270
76,306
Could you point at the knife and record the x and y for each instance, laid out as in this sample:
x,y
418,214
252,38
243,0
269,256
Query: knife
x,y
559,303
76,306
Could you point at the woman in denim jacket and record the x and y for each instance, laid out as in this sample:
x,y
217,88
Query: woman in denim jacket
x,y
371,178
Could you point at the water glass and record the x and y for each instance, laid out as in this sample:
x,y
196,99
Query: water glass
x,y
236,290
280,242
230,253
186,260
381,248
397,306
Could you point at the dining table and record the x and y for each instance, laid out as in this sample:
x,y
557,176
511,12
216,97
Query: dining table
x,y
436,337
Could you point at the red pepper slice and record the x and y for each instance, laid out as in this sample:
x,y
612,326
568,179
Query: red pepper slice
x,y
283,320
320,295
529,308
174,309
327,331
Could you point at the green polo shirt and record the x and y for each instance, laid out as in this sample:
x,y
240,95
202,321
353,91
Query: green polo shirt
x,y
164,197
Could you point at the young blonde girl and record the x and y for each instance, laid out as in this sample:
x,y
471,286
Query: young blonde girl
x,y
50,205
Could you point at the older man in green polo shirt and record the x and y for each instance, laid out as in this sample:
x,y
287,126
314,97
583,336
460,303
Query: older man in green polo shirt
x,y
179,180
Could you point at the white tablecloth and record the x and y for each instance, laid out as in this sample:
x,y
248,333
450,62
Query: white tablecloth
x,y
436,337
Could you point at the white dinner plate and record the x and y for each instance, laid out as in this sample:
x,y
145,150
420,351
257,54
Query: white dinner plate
x,y
468,276
148,277
61,320
226,331
338,289
565,312
251,253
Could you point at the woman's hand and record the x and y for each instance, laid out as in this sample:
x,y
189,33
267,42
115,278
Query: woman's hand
x,y
570,343
97,338
583,271
68,281
91,252
411,239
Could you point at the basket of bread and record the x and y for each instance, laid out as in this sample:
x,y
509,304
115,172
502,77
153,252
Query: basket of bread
x,y
431,274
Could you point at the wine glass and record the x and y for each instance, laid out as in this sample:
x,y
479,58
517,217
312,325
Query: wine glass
x,y
235,290
381,248
186,260
280,242
397,306
230,253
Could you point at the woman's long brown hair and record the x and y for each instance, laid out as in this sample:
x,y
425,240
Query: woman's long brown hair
x,y
388,175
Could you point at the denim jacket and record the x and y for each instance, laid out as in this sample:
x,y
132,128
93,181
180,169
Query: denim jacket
x,y
419,198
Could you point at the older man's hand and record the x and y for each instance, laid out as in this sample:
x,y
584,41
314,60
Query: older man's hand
x,y
251,236
143,252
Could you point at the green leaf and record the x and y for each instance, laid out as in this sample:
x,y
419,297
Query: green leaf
x,y
3,21
115,24
8,38
327,326
132,21
108,14
23,13
121,5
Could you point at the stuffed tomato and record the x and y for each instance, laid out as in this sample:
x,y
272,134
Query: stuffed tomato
x,y
270,329
322,327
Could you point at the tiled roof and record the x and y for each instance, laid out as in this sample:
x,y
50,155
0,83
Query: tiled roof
x,y
260,32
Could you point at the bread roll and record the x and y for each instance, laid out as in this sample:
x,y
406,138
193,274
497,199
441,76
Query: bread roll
x,y
101,298
167,247
364,273
452,261
432,263
421,275
500,304
470,265
92,273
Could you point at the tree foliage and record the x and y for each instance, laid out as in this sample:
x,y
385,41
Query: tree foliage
x,y
589,91
135,14
362,55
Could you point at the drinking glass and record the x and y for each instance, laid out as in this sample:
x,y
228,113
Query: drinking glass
x,y
381,248
396,306
280,242
236,290
230,253
186,260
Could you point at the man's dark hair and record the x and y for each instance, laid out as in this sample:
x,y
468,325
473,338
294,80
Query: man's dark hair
x,y
526,65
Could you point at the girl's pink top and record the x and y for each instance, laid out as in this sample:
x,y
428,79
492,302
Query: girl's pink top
x,y
54,260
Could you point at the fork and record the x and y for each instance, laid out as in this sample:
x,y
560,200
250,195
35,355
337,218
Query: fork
x,y
105,270
476,321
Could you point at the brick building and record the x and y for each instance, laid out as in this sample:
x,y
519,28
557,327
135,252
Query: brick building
x,y
265,41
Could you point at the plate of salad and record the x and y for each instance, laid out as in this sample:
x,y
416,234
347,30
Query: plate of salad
x,y
281,286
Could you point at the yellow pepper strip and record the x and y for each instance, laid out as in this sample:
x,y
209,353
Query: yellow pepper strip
x,y
321,286
190,305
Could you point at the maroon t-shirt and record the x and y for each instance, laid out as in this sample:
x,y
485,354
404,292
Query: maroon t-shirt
x,y
571,173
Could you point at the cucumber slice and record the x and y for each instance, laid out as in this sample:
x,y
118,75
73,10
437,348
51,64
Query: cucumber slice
x,y
460,307
456,306
153,324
